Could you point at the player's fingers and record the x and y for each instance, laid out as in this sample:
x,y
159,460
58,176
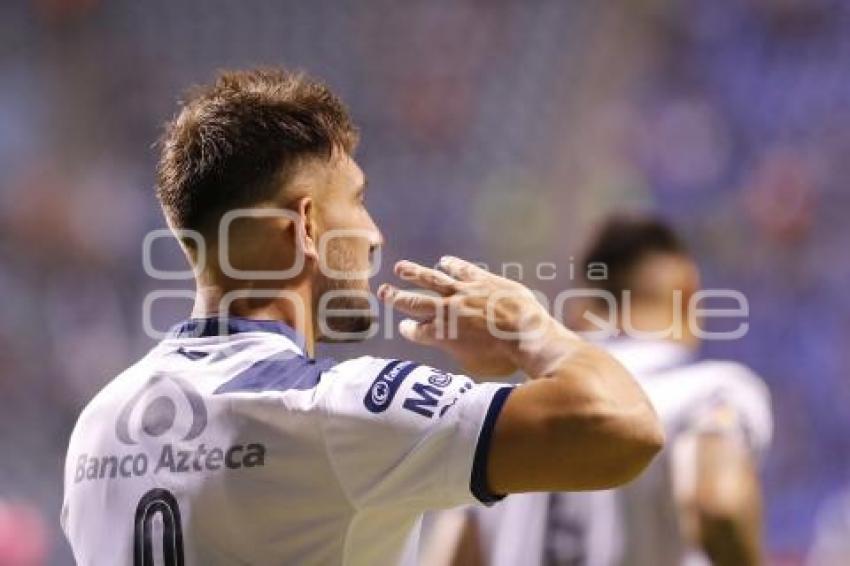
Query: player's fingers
x,y
419,305
425,277
461,269
418,332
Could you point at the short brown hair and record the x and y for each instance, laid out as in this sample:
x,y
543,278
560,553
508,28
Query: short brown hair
x,y
235,141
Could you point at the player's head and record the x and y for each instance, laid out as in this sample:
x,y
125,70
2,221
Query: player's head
x,y
281,143
643,257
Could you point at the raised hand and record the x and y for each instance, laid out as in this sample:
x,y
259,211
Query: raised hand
x,y
490,324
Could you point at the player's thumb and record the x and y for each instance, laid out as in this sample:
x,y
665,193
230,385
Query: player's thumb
x,y
418,332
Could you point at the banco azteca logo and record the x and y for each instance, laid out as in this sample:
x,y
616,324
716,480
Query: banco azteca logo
x,y
160,406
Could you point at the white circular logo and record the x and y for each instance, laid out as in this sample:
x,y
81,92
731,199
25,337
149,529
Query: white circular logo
x,y
380,393
440,379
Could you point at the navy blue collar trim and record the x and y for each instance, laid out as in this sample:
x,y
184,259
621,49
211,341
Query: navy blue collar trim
x,y
225,326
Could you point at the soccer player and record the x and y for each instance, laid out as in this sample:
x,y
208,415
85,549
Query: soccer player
x,y
699,503
228,443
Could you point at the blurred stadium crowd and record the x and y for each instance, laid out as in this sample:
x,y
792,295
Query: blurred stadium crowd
x,y
499,131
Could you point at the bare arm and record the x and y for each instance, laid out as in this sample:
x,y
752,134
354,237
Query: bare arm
x,y
581,422
585,424
722,510
455,540
469,551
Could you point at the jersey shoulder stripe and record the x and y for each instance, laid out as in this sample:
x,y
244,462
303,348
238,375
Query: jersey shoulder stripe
x,y
285,371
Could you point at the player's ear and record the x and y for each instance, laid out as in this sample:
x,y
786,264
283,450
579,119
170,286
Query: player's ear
x,y
305,228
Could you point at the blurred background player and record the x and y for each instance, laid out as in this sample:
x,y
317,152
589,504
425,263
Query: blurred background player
x,y
700,502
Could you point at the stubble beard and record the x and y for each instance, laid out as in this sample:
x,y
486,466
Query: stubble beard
x,y
355,327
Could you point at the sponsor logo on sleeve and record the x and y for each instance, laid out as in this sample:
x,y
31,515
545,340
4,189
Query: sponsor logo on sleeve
x,y
440,379
426,397
386,384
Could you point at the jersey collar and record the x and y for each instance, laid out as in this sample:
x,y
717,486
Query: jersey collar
x,y
225,326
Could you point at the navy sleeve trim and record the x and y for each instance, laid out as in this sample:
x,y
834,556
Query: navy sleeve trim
x,y
478,481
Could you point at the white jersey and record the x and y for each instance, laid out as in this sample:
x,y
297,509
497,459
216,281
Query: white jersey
x,y
637,525
227,445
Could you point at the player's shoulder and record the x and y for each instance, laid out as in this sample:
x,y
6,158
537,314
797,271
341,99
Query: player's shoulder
x,y
722,391
727,367
95,417
375,385
729,375
380,377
